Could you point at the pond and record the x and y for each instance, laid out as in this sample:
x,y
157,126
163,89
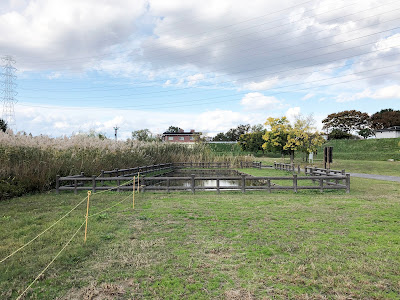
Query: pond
x,y
223,183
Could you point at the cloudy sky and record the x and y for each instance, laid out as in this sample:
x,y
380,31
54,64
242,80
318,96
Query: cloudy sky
x,y
206,65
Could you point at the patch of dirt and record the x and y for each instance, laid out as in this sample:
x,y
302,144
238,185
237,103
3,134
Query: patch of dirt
x,y
105,291
241,294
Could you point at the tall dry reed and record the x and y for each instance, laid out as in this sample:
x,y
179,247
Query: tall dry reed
x,y
31,163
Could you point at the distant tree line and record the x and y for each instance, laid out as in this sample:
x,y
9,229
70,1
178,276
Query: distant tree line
x,y
343,125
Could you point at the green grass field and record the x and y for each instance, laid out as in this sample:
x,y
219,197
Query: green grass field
x,y
309,245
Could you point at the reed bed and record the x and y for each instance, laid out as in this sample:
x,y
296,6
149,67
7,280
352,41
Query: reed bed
x,y
29,164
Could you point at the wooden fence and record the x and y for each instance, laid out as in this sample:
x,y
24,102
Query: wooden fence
x,y
130,172
202,165
327,179
313,171
286,167
265,183
251,164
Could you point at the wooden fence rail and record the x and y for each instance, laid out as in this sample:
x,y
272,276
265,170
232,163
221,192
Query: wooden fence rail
x,y
327,179
266,183
320,171
202,165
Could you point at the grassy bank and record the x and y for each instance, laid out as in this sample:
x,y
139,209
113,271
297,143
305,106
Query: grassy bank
x,y
370,149
202,246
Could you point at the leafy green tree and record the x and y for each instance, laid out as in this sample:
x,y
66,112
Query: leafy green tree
x,y
385,118
220,137
366,132
337,134
3,125
252,141
346,121
143,135
173,129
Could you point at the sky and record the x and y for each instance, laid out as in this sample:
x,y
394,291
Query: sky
x,y
205,65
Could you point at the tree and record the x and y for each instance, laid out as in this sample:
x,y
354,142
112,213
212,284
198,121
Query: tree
x,y
337,134
220,137
347,121
277,137
286,139
143,135
3,125
252,141
366,133
385,118
173,129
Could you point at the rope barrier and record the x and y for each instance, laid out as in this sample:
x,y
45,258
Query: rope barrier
x,y
114,187
130,195
44,270
55,223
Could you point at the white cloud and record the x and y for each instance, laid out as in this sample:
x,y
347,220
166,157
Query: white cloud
x,y
263,85
257,101
308,96
387,92
292,113
58,121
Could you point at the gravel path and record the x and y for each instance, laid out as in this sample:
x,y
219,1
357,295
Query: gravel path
x,y
378,177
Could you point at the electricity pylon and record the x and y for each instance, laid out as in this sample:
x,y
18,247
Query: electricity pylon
x,y
9,93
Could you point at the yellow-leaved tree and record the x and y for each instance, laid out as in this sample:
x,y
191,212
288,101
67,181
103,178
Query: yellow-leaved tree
x,y
286,139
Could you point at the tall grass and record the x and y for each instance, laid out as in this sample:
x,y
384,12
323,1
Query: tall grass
x,y
31,163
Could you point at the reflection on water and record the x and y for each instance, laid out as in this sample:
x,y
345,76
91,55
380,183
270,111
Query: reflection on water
x,y
202,183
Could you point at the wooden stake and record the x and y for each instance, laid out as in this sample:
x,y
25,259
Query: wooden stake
x,y
87,212
133,194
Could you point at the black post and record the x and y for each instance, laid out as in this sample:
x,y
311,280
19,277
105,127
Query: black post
x,y
243,183
295,183
218,191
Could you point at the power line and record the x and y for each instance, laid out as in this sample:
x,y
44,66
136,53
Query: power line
x,y
269,50
132,107
270,66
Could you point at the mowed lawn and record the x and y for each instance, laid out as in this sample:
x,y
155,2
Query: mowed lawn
x,y
308,245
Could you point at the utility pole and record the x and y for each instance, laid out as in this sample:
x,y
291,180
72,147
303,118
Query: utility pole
x,y
116,130
8,91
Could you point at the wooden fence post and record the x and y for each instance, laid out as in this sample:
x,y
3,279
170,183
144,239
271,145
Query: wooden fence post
x,y
118,184
168,183
295,183
347,183
94,183
102,175
243,183
75,186
192,183
218,191
298,169
321,185
58,184
269,185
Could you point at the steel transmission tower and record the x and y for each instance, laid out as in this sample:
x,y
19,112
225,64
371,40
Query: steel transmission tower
x,y
9,93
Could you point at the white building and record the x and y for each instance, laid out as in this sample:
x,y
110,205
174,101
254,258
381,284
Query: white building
x,y
388,133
